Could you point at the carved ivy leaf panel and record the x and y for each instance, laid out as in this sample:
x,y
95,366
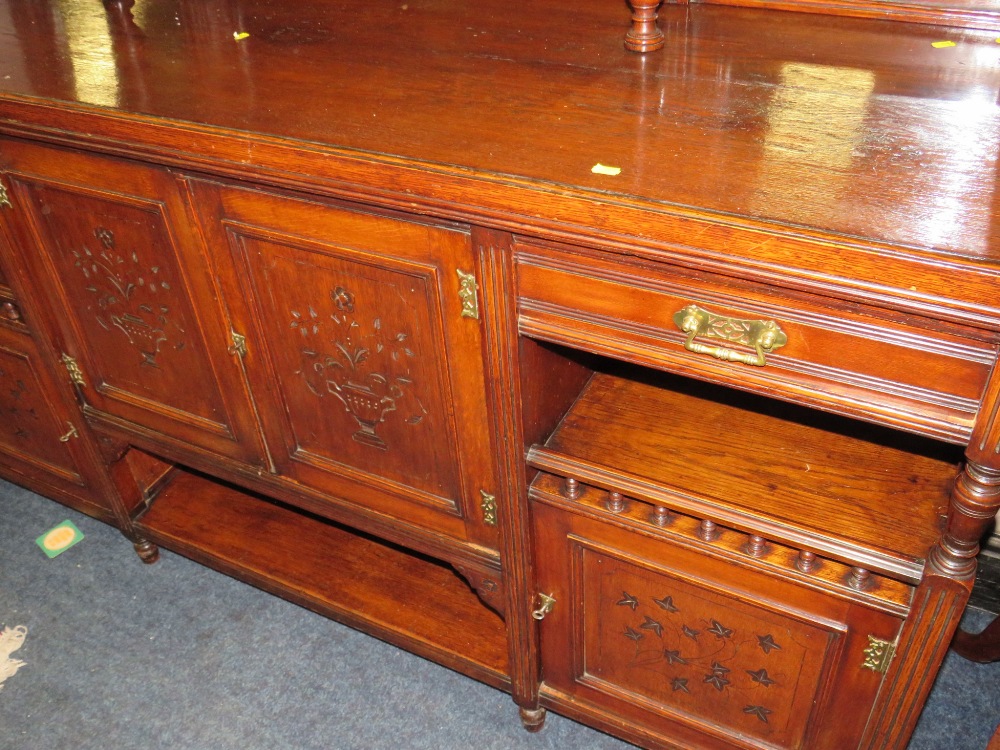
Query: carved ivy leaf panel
x,y
695,651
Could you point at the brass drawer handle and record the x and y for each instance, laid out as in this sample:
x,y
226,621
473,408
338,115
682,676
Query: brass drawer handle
x,y
763,335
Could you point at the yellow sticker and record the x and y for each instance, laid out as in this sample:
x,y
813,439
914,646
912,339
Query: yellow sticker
x,y
940,45
604,169
239,35
997,40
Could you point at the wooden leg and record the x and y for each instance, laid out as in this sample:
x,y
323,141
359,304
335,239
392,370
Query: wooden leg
x,y
533,719
644,36
148,552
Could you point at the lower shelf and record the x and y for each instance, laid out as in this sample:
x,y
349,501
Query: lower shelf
x,y
406,599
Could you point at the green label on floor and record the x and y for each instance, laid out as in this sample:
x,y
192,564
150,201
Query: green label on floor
x,y
57,540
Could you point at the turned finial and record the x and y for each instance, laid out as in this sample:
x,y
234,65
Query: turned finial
x,y
644,36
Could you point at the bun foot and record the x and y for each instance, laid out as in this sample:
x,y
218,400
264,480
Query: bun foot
x,y
533,719
148,552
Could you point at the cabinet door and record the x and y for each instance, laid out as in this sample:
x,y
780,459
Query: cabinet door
x,y
698,649
39,439
108,244
368,377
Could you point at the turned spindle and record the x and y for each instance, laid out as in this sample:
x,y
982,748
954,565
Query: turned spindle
x,y
860,579
615,503
755,545
10,311
571,489
661,516
708,531
806,561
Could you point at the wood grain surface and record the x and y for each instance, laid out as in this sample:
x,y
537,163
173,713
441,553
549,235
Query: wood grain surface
x,y
862,486
855,126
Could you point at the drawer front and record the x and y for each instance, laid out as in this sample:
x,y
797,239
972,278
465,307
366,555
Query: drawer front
x,y
846,359
695,650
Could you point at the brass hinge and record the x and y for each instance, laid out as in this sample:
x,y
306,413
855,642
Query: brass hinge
x,y
467,292
75,373
71,434
489,505
239,346
878,654
4,198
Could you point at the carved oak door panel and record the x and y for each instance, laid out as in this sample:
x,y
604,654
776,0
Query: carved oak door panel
x,y
697,648
368,376
111,245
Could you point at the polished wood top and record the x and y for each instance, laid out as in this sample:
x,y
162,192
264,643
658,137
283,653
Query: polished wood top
x,y
855,127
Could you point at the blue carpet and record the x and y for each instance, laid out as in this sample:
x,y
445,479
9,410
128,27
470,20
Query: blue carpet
x,y
127,656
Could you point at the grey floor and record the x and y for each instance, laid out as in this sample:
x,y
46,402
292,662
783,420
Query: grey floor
x,y
126,656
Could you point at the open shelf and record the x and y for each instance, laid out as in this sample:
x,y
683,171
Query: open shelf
x,y
851,492
399,596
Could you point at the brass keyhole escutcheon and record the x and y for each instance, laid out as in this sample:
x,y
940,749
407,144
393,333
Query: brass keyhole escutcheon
x,y
546,603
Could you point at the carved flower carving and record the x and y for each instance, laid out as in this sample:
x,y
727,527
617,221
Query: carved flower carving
x,y
343,299
105,236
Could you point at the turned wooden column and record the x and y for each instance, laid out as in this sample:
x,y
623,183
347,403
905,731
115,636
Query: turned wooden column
x,y
976,496
974,504
645,35
500,329
941,597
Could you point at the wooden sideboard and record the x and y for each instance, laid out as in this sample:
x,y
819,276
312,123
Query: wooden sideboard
x,y
659,390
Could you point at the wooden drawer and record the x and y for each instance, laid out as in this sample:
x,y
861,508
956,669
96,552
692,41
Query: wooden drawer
x,y
844,358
